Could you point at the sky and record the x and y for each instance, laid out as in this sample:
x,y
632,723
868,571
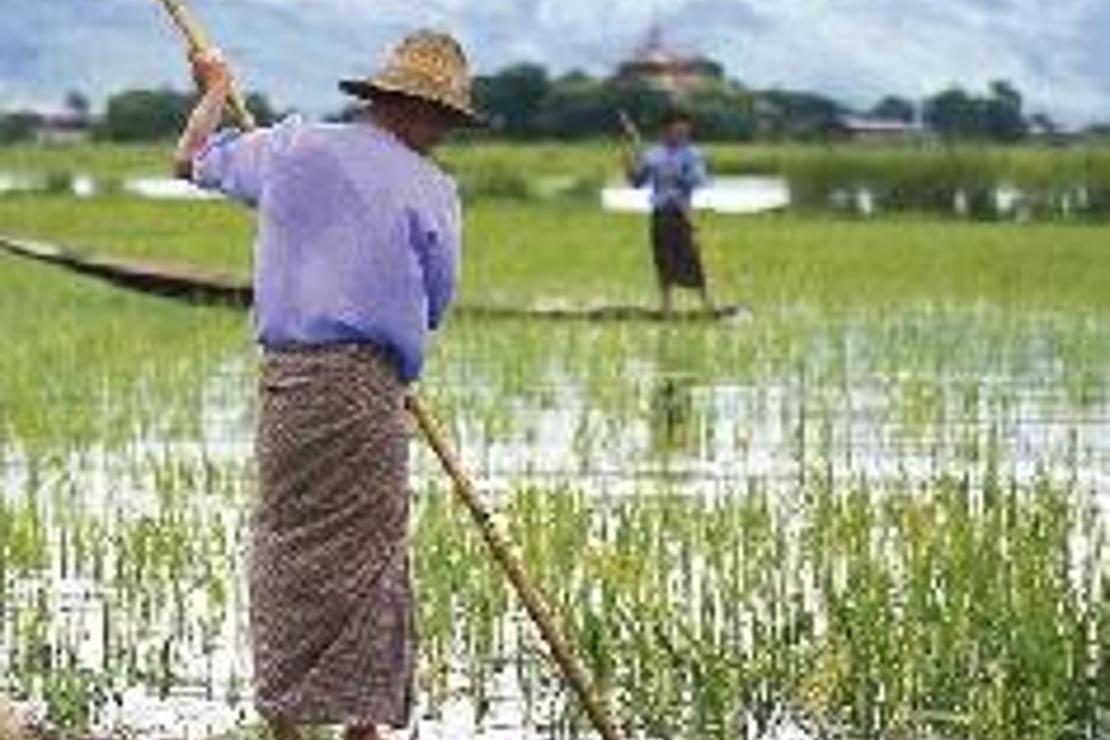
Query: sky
x,y
855,50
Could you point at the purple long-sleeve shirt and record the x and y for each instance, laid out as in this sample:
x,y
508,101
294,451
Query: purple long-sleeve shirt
x,y
358,235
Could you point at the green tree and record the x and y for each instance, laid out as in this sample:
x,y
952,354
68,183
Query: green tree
x,y
797,114
723,114
260,107
1003,110
17,127
1044,124
894,108
78,104
953,113
513,98
145,115
575,108
956,114
644,103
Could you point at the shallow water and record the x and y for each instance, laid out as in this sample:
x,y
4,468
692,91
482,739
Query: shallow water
x,y
124,568
748,194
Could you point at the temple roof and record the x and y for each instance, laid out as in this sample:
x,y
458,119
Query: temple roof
x,y
654,50
665,67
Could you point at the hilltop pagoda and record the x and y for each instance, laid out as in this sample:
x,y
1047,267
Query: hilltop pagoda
x,y
655,64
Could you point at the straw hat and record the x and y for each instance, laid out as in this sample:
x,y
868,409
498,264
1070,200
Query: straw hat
x,y
426,65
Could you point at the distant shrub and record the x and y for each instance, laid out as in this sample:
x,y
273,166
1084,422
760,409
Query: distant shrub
x,y
59,182
494,182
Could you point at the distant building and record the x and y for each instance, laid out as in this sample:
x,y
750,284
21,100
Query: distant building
x,y
879,130
64,127
656,65
45,125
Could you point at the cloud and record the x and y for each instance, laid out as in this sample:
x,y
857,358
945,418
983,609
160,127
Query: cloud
x,y
862,48
853,49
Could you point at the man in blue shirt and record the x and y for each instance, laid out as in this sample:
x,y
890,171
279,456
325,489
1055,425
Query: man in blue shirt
x,y
674,169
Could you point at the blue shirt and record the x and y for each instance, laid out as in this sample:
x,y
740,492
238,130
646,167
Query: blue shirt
x,y
673,172
358,235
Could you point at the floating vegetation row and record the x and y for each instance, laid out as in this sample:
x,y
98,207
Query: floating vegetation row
x,y
940,608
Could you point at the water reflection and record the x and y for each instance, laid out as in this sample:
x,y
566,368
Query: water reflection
x,y
673,416
696,406
673,426
122,562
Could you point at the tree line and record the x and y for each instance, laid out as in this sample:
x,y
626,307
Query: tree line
x,y
524,101
130,116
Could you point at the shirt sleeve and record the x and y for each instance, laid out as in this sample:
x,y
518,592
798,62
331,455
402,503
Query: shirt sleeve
x,y
233,163
438,255
695,173
237,164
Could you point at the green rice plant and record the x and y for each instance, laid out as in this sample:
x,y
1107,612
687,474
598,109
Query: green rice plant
x,y
698,501
929,178
565,254
927,615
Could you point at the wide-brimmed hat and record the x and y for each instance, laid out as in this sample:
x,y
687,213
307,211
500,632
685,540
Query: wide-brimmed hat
x,y
426,65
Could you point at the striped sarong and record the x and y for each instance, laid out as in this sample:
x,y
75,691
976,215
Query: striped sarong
x,y
674,250
331,596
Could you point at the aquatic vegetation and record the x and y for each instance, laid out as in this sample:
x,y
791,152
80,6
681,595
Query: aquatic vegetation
x,y
875,507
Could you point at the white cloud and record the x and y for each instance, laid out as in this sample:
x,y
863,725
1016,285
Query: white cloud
x,y
861,48
871,47
857,49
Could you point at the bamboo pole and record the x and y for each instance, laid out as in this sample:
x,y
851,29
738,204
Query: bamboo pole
x,y
498,545
630,129
198,42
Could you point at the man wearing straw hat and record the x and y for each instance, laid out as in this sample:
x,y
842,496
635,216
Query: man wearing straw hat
x,y
356,261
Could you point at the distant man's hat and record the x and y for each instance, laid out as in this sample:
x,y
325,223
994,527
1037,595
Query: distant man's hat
x,y
426,65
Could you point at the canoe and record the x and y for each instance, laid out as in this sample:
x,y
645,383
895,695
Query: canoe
x,y
197,286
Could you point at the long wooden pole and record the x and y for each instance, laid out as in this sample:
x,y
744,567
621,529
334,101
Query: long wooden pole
x,y
498,545
198,42
630,129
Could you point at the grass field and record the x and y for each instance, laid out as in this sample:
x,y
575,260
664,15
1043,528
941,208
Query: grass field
x,y
877,507
520,253
1050,183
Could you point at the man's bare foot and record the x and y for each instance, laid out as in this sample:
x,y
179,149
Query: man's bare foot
x,y
285,730
362,732
10,725
707,302
666,302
